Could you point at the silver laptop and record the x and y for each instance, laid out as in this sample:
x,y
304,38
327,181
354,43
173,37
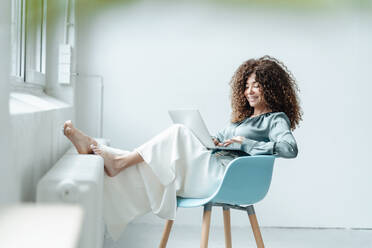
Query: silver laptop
x,y
192,119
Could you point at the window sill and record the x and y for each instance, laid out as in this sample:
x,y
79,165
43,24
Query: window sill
x,y
17,84
21,102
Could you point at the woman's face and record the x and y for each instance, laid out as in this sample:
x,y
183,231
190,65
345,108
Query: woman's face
x,y
253,92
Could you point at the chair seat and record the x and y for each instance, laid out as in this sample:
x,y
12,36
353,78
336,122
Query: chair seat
x,y
191,202
197,202
246,181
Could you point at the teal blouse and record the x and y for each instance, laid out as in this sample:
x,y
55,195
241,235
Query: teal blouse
x,y
268,134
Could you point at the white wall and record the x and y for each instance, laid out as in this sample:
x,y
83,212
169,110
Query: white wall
x,y
155,57
55,37
8,186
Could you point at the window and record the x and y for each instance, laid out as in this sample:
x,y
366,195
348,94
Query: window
x,y
28,41
17,39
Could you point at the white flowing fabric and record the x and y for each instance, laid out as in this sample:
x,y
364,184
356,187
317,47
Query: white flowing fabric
x,y
175,164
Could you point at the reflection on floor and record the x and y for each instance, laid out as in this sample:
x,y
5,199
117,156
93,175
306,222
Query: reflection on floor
x,y
148,236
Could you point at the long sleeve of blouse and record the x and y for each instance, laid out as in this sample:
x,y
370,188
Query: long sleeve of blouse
x,y
268,134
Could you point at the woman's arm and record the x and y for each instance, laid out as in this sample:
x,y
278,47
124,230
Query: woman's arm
x,y
282,143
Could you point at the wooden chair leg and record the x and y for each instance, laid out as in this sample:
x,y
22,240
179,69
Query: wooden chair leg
x,y
227,227
166,232
205,226
255,227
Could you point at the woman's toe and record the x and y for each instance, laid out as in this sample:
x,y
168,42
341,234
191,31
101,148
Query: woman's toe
x,y
67,124
68,131
96,150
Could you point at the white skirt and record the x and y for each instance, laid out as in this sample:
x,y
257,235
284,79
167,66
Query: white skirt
x,y
175,164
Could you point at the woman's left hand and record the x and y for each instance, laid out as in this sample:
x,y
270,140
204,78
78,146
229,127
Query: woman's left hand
x,y
236,139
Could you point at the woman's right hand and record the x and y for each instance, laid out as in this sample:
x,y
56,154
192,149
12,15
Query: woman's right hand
x,y
216,142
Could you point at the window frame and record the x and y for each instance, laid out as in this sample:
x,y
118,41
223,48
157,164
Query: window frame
x,y
18,41
22,76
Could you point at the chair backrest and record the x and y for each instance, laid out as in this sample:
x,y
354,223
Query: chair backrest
x,y
246,180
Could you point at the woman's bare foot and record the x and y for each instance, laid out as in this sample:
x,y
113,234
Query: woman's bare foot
x,y
80,140
114,163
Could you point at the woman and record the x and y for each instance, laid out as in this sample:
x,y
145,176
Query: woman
x,y
265,108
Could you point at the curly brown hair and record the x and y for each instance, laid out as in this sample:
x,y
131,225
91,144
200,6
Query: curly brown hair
x,y
279,89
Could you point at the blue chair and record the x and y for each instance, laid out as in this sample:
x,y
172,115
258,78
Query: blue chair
x,y
246,181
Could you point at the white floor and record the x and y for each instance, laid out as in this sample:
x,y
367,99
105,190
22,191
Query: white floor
x,y
148,236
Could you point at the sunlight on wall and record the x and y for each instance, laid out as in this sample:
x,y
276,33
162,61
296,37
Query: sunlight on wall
x,y
281,4
317,4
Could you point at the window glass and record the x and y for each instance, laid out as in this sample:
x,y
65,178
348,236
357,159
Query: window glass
x,y
35,41
28,41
